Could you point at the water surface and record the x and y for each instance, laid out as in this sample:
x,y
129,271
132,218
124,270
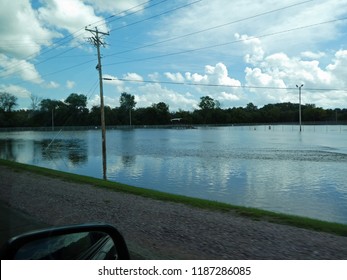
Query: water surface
x,y
276,169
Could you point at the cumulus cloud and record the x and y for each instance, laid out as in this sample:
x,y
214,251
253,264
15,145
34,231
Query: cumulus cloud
x,y
339,68
23,34
214,75
215,81
20,68
175,77
133,77
256,52
115,82
30,29
70,15
148,94
278,70
17,91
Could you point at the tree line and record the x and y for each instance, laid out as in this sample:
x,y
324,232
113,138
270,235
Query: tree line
x,y
73,111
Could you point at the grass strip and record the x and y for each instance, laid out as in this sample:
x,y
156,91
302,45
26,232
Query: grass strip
x,y
253,213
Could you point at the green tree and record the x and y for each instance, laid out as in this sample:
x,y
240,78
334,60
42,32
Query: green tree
x,y
47,105
127,103
76,109
207,103
162,113
77,102
209,110
7,101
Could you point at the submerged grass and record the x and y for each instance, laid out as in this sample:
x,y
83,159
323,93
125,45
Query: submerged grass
x,y
253,213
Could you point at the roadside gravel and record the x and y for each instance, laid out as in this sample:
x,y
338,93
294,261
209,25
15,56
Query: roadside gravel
x,y
163,230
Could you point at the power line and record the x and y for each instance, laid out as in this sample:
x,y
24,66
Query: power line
x,y
226,43
219,85
194,50
71,35
137,11
158,15
67,39
210,28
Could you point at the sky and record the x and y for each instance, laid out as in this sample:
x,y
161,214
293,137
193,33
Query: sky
x,y
176,51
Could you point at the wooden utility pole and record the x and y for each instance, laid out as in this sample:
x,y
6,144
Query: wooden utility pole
x,y
96,41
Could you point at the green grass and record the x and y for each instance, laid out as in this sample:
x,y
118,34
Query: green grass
x,y
252,213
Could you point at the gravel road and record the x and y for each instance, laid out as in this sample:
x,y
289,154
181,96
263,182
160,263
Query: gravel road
x,y
163,230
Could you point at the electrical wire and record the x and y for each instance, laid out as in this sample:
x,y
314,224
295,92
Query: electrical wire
x,y
66,39
210,28
196,49
219,85
158,15
226,43
71,35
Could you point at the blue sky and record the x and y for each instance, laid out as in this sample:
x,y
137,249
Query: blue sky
x,y
237,52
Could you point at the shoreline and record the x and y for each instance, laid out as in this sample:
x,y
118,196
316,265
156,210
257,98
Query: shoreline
x,y
168,126
158,229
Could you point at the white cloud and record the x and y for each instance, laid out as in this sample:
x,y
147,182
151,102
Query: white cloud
x,y
279,70
19,67
112,80
312,55
119,6
215,81
70,15
154,76
214,75
256,50
339,68
17,91
22,34
133,76
255,18
212,82
148,94
70,84
224,96
175,77
51,85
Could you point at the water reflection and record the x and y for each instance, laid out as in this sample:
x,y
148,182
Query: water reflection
x,y
127,142
6,150
278,169
75,151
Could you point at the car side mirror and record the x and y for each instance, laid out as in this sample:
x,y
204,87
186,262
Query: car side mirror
x,y
83,242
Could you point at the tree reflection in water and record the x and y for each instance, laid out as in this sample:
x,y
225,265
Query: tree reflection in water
x,y
75,150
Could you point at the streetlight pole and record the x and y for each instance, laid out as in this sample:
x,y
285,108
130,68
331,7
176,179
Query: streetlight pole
x,y
299,87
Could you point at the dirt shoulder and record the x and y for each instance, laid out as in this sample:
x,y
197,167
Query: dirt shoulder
x,y
161,230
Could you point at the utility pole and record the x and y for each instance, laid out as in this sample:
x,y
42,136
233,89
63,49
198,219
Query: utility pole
x,y
96,41
299,87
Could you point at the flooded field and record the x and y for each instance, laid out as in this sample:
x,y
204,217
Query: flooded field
x,y
274,168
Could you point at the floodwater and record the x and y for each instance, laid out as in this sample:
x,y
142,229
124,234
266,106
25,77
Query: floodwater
x,y
274,168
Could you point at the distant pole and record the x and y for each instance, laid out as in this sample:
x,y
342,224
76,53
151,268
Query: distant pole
x,y
299,87
53,119
130,117
96,41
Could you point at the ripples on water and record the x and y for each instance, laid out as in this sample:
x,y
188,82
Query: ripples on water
x,y
278,169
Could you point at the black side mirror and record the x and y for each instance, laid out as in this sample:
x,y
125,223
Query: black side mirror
x,y
83,242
